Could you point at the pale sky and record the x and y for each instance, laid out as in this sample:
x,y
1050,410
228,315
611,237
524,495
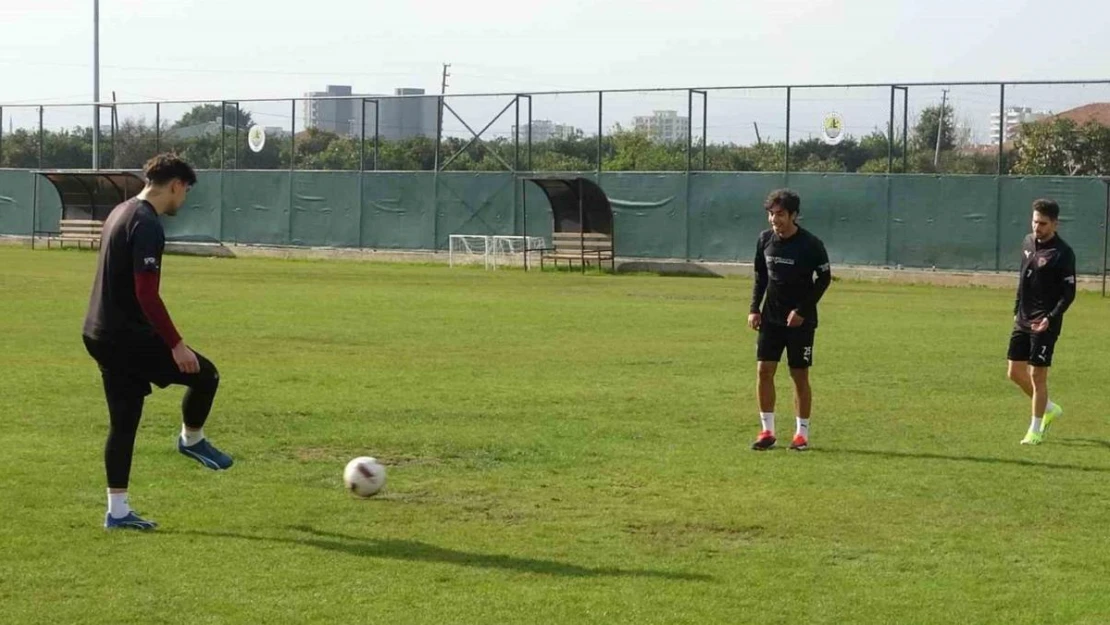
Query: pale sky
x,y
213,49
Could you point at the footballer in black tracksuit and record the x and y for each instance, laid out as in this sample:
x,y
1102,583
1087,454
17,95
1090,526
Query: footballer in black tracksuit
x,y
1046,289
784,272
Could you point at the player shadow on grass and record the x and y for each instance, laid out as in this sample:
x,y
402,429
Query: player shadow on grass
x,y
1021,462
1084,442
419,551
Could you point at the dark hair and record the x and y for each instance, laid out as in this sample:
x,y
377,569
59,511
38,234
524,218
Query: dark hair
x,y
1048,208
785,199
165,168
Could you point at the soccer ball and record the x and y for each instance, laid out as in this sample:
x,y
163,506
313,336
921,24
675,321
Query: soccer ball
x,y
364,477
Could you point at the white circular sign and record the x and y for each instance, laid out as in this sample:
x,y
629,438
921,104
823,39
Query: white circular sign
x,y
832,129
256,138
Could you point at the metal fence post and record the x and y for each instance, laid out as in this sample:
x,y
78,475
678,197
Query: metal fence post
x,y
1001,124
157,127
600,132
890,136
42,137
1105,235
786,168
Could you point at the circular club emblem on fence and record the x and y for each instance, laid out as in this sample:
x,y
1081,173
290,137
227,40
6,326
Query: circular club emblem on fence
x,y
256,138
832,130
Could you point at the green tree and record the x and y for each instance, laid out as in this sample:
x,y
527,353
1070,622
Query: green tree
x,y
636,151
1061,147
924,137
204,113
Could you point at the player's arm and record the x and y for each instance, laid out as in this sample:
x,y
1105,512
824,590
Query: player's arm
x,y
759,289
147,246
823,270
1067,275
824,275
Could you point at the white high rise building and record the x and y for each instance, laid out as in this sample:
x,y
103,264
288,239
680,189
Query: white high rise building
x,y
1015,117
546,130
666,126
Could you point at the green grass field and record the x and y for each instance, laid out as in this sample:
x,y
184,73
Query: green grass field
x,y
562,449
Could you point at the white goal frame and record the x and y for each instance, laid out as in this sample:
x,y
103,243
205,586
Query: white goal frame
x,y
472,247
505,247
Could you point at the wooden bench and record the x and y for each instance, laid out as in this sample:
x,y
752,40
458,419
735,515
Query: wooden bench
x,y
584,248
79,231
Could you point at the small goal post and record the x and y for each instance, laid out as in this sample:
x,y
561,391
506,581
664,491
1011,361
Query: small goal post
x,y
509,249
469,249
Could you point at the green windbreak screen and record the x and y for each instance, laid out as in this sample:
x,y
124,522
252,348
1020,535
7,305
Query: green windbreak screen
x,y
950,222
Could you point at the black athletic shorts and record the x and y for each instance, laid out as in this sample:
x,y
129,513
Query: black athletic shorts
x,y
130,367
1033,347
798,343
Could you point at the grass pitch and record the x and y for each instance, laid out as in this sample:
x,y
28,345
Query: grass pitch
x,y
561,449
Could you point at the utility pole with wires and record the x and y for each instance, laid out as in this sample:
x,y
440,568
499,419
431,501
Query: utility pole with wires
x,y
443,86
439,120
940,126
442,92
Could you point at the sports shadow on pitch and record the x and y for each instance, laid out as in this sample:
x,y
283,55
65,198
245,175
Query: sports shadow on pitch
x,y
1021,462
1084,442
412,550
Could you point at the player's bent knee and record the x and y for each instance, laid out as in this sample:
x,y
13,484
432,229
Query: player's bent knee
x,y
208,378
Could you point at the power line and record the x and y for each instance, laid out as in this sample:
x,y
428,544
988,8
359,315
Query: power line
x,y
195,70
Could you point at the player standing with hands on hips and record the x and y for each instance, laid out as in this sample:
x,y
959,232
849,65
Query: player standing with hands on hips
x,y
1046,289
787,257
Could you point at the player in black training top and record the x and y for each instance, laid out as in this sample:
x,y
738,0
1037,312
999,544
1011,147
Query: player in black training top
x,y
1046,288
130,335
787,257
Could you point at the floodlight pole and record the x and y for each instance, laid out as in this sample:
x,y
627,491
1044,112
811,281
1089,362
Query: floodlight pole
x,y
96,86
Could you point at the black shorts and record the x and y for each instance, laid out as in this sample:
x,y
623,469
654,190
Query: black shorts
x,y
798,343
130,367
1033,347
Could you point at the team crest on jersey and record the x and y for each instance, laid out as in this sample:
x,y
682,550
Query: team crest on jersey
x,y
1041,262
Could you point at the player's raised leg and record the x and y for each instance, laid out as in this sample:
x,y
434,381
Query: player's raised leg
x,y
195,408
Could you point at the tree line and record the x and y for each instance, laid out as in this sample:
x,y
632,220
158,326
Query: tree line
x,y
1056,146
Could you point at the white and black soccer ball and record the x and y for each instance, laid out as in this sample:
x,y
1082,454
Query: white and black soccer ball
x,y
364,476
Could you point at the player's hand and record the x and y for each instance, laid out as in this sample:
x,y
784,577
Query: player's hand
x,y
185,358
754,321
1040,325
794,320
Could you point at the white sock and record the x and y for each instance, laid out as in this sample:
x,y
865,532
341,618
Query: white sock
x,y
1050,407
1035,426
803,428
767,420
191,438
117,505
